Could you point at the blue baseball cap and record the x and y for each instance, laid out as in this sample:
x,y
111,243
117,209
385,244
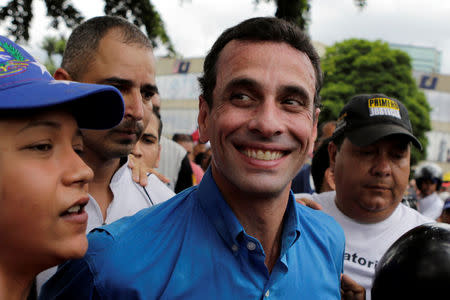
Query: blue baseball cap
x,y
26,84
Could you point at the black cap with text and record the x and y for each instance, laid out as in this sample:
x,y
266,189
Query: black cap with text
x,y
366,119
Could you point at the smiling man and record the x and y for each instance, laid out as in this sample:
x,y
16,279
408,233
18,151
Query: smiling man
x,y
239,234
370,158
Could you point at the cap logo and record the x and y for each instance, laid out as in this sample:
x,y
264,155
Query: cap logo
x,y
383,107
11,60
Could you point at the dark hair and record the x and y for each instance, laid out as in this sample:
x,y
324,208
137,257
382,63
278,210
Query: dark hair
x,y
338,140
155,111
319,164
259,29
84,40
182,137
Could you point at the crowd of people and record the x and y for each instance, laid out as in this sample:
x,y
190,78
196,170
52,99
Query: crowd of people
x,y
98,204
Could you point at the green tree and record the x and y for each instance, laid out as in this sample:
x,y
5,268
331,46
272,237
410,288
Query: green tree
x,y
53,46
359,66
297,11
19,13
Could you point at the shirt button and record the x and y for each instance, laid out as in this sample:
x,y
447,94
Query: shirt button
x,y
267,294
251,246
234,248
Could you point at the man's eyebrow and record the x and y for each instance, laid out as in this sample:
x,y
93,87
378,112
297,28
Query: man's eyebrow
x,y
151,135
150,88
294,90
243,82
251,84
116,81
39,123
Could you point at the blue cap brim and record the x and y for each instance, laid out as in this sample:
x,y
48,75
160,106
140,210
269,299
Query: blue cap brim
x,y
94,106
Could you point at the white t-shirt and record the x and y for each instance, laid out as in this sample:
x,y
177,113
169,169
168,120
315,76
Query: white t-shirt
x,y
431,206
365,244
128,198
172,155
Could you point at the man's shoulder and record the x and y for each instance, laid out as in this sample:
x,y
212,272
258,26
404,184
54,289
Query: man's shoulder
x,y
317,220
412,217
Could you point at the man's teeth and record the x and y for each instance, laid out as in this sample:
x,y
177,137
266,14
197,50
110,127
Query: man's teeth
x,y
263,155
74,209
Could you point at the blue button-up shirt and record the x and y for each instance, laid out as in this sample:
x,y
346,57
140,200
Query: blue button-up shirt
x,y
193,247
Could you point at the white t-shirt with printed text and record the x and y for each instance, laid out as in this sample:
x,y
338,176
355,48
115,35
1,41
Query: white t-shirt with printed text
x,y
365,244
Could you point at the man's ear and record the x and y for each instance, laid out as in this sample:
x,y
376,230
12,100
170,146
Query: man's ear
x,y
329,178
314,131
61,74
203,119
332,152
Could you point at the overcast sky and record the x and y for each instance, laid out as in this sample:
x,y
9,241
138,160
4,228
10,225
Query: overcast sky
x,y
193,25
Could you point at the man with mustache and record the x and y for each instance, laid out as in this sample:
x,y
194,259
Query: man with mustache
x,y
369,154
110,50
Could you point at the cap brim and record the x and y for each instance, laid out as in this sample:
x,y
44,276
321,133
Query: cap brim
x,y
94,106
370,134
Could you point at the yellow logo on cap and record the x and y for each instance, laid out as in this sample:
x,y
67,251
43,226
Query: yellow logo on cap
x,y
383,107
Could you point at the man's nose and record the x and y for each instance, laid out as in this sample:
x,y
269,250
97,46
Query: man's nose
x,y
134,107
137,151
267,120
382,165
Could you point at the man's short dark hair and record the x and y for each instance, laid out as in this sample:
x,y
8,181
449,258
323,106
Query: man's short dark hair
x,y
84,41
155,111
182,137
259,29
319,164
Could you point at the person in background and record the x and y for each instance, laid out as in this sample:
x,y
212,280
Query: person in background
x,y
174,166
369,154
147,152
302,182
185,140
320,169
148,148
428,180
239,234
43,180
445,215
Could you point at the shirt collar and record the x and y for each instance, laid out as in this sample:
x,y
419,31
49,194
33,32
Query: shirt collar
x,y
218,210
226,222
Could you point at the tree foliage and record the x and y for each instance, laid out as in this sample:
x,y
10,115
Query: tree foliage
x,y
53,46
358,66
297,11
19,13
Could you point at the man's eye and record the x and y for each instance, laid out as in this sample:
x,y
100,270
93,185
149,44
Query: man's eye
x,y
147,96
399,155
78,150
293,101
41,147
239,96
366,152
121,88
148,141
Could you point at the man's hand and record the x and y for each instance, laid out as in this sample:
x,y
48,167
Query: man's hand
x,y
139,171
309,202
350,290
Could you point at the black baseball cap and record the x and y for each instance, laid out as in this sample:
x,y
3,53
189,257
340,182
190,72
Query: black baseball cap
x,y
367,118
